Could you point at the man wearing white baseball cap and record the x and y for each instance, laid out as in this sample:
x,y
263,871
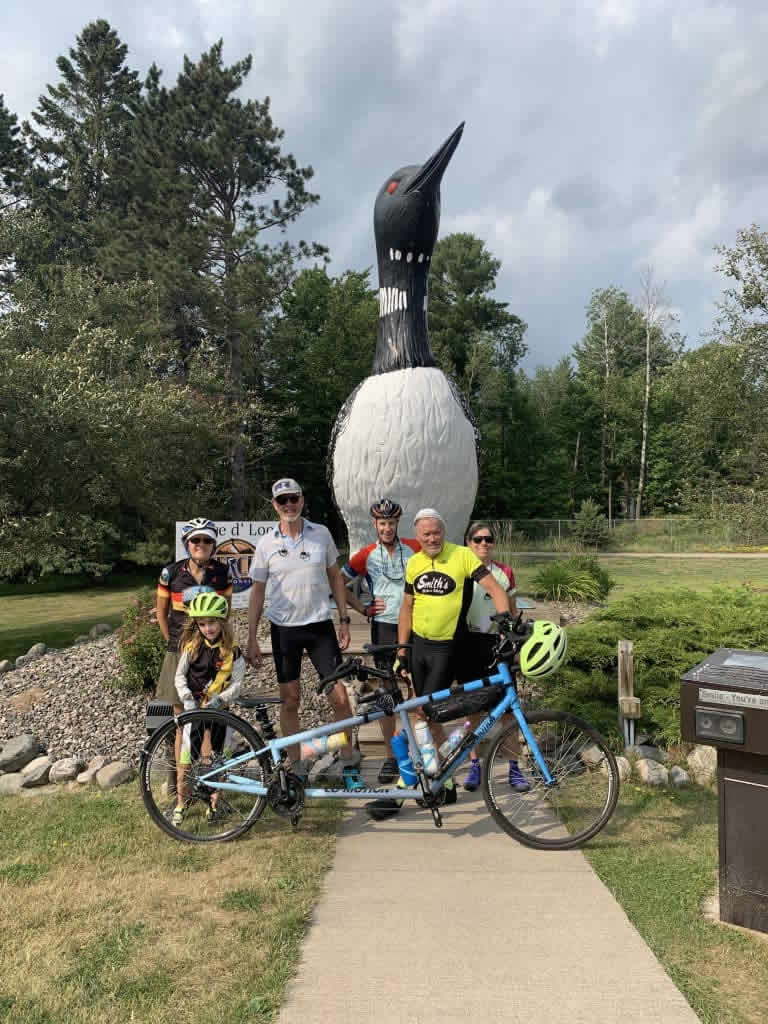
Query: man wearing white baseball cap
x,y
292,568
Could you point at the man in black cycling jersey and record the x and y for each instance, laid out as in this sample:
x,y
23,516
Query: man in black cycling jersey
x,y
439,583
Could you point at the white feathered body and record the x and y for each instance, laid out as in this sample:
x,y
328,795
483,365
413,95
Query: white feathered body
x,y
405,437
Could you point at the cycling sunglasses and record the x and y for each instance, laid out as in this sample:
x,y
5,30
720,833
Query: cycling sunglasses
x,y
482,538
284,499
200,540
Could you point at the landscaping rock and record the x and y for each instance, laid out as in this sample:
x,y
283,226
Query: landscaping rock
x,y
21,661
19,751
88,777
36,772
625,768
650,753
679,776
114,774
592,755
5,665
99,630
702,762
65,770
651,772
83,639
36,651
11,783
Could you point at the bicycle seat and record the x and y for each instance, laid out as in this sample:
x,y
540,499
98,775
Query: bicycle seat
x,y
257,702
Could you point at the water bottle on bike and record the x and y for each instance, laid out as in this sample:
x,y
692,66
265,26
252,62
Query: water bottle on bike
x,y
322,745
454,739
427,748
399,744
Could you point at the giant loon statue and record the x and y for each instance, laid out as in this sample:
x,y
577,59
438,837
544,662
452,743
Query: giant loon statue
x,y
404,432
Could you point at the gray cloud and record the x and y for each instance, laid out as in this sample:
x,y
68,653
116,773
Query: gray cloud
x,y
601,135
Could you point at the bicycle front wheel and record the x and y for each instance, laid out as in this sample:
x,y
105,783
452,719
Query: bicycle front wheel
x,y
177,801
586,782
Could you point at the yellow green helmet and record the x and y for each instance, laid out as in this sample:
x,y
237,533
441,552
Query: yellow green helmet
x,y
544,651
208,605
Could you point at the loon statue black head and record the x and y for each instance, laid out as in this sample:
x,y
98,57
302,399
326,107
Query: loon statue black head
x,y
406,218
403,431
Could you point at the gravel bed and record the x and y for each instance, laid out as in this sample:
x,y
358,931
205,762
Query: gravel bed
x,y
68,699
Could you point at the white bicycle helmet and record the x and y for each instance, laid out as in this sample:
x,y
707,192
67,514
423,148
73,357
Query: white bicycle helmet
x,y
197,527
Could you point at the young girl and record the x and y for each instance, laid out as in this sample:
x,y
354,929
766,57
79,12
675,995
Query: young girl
x,y
209,675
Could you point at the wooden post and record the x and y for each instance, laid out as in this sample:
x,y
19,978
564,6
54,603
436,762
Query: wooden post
x,y
629,705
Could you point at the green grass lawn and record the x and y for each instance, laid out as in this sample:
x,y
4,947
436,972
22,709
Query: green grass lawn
x,y
29,614
639,573
104,918
658,857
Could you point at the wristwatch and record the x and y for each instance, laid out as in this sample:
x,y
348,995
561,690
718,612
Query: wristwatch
x,y
344,620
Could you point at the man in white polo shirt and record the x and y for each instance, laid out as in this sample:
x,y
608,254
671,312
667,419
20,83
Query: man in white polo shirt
x,y
292,567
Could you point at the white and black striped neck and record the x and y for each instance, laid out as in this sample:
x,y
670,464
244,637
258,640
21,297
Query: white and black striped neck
x,y
406,218
402,339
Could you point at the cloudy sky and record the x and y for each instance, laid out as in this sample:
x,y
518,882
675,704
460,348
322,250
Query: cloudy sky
x,y
601,136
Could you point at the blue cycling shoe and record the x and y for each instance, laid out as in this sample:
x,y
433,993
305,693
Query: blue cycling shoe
x,y
351,778
474,776
517,780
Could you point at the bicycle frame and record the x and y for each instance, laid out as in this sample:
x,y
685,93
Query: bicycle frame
x,y
509,702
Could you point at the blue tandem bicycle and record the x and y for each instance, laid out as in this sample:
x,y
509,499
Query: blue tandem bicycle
x,y
572,773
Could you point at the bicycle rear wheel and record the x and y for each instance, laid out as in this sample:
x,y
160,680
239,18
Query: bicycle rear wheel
x,y
212,738
576,807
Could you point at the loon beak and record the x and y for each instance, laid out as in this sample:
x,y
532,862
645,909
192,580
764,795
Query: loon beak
x,y
429,176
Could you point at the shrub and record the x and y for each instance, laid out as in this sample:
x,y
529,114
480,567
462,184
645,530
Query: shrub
x,y
141,645
588,563
671,631
590,527
579,579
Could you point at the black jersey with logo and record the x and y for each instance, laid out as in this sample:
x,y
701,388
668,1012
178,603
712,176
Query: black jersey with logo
x,y
179,585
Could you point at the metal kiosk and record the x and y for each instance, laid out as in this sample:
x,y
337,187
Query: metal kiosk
x,y
724,703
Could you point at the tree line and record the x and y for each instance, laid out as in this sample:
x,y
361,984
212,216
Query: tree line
x,y
168,351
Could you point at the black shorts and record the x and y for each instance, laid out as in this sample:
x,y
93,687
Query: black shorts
x,y
318,639
474,654
384,633
432,664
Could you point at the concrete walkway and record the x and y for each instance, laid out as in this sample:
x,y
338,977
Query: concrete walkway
x,y
419,925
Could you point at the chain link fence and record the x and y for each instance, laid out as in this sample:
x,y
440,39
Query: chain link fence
x,y
671,535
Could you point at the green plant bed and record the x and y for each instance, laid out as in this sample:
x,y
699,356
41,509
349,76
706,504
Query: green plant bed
x,y
671,630
658,856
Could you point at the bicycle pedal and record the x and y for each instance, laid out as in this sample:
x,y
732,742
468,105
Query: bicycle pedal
x,y
437,817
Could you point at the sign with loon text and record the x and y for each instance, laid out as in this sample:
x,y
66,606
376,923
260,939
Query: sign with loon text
x,y
734,699
234,548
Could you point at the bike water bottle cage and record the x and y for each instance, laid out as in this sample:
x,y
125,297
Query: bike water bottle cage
x,y
544,651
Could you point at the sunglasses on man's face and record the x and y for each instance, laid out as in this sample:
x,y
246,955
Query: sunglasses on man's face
x,y
285,499
482,538
200,540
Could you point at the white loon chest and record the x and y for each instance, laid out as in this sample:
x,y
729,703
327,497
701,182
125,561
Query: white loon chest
x,y
405,435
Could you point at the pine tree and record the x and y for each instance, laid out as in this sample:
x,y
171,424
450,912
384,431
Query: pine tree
x,y
13,158
82,130
205,163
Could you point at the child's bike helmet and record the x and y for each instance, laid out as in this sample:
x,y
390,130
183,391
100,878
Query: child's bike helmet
x,y
544,651
208,606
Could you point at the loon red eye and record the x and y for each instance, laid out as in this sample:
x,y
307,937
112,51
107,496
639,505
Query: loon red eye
x,y
391,187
